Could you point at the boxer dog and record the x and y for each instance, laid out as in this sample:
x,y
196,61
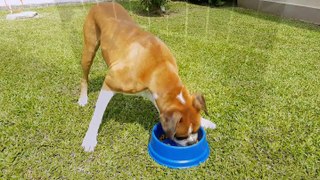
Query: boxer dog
x,y
139,63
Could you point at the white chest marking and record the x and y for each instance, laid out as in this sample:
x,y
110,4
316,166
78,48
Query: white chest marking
x,y
147,94
181,99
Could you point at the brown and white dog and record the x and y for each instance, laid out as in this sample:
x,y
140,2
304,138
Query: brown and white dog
x,y
139,63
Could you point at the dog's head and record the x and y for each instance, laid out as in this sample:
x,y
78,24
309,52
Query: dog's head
x,y
181,121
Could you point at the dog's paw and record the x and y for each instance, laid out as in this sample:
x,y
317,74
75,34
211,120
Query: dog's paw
x,y
83,100
207,124
89,143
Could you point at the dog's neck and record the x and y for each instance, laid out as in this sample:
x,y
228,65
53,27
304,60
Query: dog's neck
x,y
169,92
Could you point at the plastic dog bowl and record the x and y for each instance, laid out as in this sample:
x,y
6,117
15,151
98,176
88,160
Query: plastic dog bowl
x,y
174,156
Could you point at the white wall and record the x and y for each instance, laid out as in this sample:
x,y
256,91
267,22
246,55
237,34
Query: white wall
x,y
35,2
308,3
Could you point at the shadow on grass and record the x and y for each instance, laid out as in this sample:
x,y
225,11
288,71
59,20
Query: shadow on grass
x,y
131,109
95,84
127,108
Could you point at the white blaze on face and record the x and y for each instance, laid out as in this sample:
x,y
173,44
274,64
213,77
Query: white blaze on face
x,y
181,99
192,137
190,130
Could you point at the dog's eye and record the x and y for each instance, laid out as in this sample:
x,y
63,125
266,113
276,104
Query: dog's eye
x,y
181,138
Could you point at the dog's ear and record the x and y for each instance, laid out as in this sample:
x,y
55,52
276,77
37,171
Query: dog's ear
x,y
199,103
169,122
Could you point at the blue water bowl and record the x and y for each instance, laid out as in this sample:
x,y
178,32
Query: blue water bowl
x,y
167,152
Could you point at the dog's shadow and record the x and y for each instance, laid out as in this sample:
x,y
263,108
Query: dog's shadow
x,y
127,108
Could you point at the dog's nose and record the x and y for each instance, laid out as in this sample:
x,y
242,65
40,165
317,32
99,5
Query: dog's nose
x,y
191,143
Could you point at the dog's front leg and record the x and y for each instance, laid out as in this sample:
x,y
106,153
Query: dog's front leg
x,y
207,124
90,140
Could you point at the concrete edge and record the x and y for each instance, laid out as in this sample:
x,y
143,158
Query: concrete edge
x,y
27,6
293,11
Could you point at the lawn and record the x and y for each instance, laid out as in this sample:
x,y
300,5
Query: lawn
x,y
259,74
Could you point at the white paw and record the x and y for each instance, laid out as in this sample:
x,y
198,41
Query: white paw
x,y
89,143
83,100
207,124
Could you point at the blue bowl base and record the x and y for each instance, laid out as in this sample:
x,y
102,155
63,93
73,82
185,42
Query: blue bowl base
x,y
178,164
177,157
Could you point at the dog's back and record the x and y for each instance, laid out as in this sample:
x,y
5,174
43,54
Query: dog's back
x,y
106,11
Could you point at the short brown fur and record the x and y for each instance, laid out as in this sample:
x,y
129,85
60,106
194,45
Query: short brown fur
x,y
137,61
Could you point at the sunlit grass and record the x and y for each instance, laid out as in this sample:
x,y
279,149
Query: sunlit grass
x,y
259,74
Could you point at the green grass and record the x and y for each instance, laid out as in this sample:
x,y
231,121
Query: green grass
x,y
259,73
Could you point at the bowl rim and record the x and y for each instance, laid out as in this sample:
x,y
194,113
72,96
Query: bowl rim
x,y
203,138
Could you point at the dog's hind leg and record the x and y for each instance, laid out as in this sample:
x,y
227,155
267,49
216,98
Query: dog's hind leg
x,y
90,140
91,44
